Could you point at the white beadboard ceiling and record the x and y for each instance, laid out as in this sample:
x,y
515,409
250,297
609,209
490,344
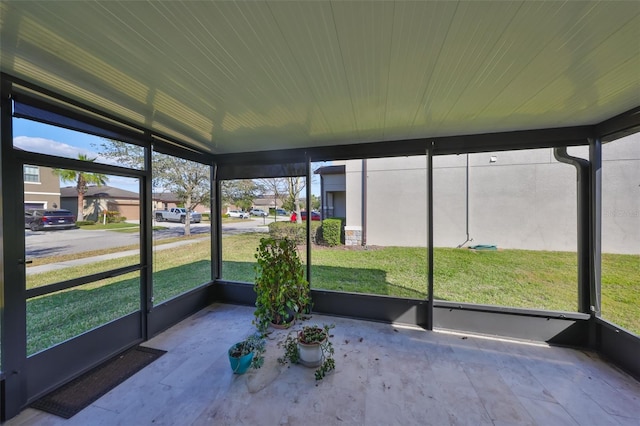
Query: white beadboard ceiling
x,y
231,77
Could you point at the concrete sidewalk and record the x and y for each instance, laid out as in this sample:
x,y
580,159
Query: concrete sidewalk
x,y
94,259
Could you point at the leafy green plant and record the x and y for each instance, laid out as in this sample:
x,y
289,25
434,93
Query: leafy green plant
x,y
114,217
332,231
310,334
254,343
294,231
282,293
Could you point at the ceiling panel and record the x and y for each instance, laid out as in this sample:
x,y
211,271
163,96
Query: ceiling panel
x,y
467,47
419,32
244,76
364,35
310,35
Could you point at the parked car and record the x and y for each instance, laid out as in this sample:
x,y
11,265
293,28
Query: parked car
x,y
176,214
40,219
279,212
238,213
314,216
257,212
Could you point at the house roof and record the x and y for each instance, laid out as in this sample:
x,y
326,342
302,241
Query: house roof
x,y
233,77
167,197
330,170
98,191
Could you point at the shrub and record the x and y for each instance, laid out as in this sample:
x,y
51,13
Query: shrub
x,y
294,231
114,217
332,231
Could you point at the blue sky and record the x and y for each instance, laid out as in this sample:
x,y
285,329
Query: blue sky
x,y
46,139
43,138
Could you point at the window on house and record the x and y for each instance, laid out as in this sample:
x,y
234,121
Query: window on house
x,y
31,173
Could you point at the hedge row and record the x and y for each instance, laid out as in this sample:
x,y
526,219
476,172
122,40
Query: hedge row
x,y
294,231
329,232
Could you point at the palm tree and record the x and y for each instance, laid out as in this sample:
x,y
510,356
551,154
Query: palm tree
x,y
82,180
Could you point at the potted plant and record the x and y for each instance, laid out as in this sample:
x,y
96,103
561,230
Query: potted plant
x,y
282,293
310,347
247,353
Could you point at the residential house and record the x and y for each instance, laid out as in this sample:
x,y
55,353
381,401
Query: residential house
x,y
99,199
267,201
527,183
333,191
41,188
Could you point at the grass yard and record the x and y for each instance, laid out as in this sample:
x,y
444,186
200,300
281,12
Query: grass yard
x,y
110,226
56,317
515,278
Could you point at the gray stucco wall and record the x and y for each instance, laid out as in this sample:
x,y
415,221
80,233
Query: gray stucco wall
x,y
353,182
397,201
334,202
333,183
517,199
621,196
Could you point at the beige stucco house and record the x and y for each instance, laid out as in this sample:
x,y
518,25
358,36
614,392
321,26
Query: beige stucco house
x,y
107,198
99,199
41,188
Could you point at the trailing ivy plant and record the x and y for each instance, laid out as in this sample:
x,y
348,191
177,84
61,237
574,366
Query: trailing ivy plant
x,y
282,293
254,343
310,334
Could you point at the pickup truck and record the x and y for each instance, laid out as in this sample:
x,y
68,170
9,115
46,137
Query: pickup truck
x,y
176,214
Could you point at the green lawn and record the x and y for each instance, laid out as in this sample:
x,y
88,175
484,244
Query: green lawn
x,y
515,278
59,316
110,226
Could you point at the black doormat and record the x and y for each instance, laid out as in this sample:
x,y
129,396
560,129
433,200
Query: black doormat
x,y
79,393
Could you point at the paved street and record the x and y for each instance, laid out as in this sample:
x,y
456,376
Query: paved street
x,y
51,243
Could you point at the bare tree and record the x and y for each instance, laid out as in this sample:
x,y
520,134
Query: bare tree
x,y
295,185
276,187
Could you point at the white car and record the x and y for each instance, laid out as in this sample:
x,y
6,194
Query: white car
x,y
238,213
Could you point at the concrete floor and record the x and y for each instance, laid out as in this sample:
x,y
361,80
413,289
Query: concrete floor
x,y
385,375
